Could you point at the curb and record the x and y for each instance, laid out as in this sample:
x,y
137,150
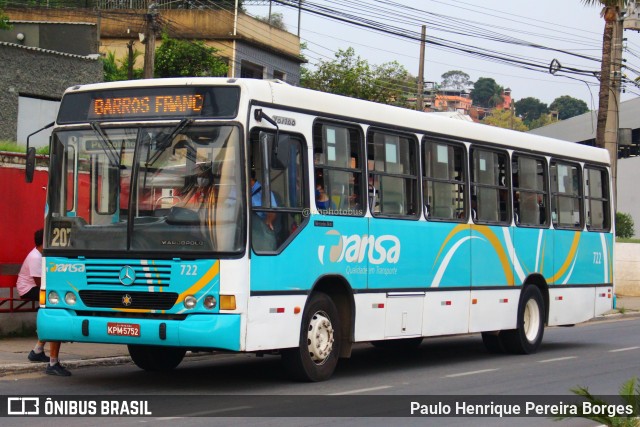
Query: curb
x,y
20,368
616,315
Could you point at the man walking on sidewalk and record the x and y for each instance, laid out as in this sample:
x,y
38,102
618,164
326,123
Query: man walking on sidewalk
x,y
28,285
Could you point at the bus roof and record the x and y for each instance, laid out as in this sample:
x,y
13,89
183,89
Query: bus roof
x,y
282,94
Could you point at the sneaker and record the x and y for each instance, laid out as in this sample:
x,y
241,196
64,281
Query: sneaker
x,y
38,357
57,369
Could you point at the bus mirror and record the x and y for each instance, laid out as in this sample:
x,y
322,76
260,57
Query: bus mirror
x,y
280,153
30,164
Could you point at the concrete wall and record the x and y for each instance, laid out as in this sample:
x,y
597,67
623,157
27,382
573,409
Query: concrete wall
x,y
38,74
627,269
216,28
268,61
77,39
628,194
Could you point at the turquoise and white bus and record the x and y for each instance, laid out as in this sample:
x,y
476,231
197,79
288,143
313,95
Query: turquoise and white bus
x,y
254,216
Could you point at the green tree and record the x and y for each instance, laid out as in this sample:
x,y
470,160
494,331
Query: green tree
x,y
568,106
530,109
182,58
350,75
543,120
610,12
629,398
456,79
505,119
486,93
116,70
4,21
276,20
624,225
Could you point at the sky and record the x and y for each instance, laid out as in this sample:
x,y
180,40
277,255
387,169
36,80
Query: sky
x,y
567,26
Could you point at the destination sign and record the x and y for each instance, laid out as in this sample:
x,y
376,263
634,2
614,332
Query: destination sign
x,y
141,105
150,103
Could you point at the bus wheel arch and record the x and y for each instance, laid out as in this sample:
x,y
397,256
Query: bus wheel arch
x,y
339,290
318,350
531,318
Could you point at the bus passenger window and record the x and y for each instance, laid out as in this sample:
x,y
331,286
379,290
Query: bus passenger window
x,y
272,224
529,177
444,181
338,162
597,199
392,174
566,195
490,187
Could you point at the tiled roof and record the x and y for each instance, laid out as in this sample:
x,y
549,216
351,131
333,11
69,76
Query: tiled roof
x,y
93,57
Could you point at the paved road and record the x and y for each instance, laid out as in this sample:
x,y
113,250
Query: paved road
x,y
600,355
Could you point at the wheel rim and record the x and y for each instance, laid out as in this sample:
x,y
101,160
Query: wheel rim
x,y
531,320
320,337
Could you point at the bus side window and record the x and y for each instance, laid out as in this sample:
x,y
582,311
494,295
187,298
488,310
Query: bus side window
x,y
392,164
338,169
489,186
444,181
566,195
272,226
597,199
529,177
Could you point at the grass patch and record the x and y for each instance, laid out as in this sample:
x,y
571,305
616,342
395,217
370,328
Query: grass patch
x,y
621,240
13,147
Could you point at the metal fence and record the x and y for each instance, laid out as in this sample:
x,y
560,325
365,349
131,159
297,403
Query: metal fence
x,y
122,4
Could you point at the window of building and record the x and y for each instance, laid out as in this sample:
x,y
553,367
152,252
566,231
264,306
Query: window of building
x,y
393,177
279,75
566,211
251,71
489,187
444,181
529,177
338,168
597,199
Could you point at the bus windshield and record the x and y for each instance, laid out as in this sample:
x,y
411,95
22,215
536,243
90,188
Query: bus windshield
x,y
169,189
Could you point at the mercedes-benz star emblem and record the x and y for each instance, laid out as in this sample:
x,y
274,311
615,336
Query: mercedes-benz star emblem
x,y
127,300
127,275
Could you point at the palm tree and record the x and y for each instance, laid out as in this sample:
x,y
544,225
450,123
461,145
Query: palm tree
x,y
610,12
629,398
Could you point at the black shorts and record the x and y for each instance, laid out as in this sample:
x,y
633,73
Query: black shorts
x,y
33,294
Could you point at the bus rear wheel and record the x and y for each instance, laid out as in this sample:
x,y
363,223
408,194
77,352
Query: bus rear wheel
x,y
527,336
317,355
156,358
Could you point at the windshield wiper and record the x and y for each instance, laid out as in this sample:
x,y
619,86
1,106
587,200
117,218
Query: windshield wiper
x,y
106,143
166,142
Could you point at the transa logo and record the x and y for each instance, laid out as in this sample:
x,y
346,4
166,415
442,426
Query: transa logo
x,y
354,248
67,268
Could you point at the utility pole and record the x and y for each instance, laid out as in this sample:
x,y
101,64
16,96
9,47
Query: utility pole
x,y
613,114
235,34
150,39
420,100
299,15
130,61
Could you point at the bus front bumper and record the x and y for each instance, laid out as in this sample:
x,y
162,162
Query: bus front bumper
x,y
201,331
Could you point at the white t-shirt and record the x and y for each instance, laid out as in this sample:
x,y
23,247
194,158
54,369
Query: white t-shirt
x,y
31,267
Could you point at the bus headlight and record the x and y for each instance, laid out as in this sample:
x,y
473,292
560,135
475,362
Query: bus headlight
x,y
190,301
70,298
53,298
210,302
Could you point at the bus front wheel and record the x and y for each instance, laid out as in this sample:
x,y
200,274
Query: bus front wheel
x,y
317,355
527,336
156,358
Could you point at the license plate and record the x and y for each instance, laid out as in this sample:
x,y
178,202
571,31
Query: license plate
x,y
123,329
